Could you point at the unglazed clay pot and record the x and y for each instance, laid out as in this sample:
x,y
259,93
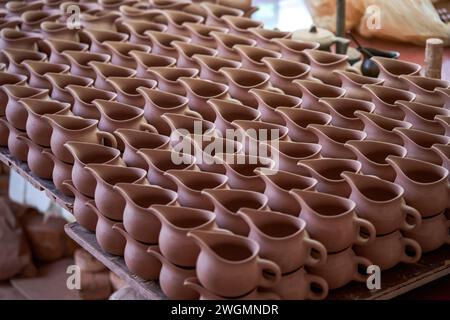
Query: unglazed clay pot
x,y
251,57
15,111
353,84
264,37
40,164
32,19
372,156
229,110
194,284
215,14
432,234
443,151
71,128
83,98
57,47
37,128
445,95
145,60
120,52
159,161
186,52
12,38
294,49
283,72
379,128
389,250
392,69
158,103
426,185
84,214
126,89
228,202
445,123
333,140
385,98
201,34
229,265
61,81
176,223
210,67
97,37
269,101
87,153
8,78
342,268
138,217
328,171
172,277
297,121
278,184
322,62
136,30
226,42
17,148
299,285
162,43
342,111
424,88
79,62
58,30
103,20
109,239
107,176
16,8
241,81
37,70
381,202
333,221
134,140
137,260
313,91
176,20
199,91
61,172
168,78
287,154
423,116
241,25
105,70
240,170
283,239
15,57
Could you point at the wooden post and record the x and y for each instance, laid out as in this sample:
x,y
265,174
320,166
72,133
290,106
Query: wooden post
x,y
433,58
340,24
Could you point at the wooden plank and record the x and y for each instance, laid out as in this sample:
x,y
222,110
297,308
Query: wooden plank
x,y
86,239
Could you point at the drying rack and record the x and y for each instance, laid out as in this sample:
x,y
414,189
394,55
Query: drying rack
x,y
394,282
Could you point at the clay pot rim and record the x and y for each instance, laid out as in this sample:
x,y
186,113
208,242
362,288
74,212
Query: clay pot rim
x,y
211,127
31,64
9,90
242,50
370,106
265,76
75,88
222,177
313,128
218,37
185,82
99,68
375,89
410,80
212,8
194,27
221,159
371,116
143,152
121,132
90,122
283,43
70,55
21,79
140,173
210,216
42,16
155,37
93,33
403,133
259,197
103,15
308,85
315,54
259,33
381,60
51,43
267,61
256,92
183,100
130,25
199,58
51,78
411,106
115,153
399,190
137,57
354,77
307,164
53,26
114,45
298,222
11,57
13,35
91,204
282,111
313,182
281,128
181,46
350,145
172,195
233,21
138,111
318,149
238,146
170,13
217,105
156,72
112,81
443,91
24,101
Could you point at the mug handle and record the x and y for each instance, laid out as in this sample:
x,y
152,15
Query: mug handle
x,y
417,251
447,223
315,245
108,137
416,217
148,127
272,267
360,261
193,113
364,224
320,282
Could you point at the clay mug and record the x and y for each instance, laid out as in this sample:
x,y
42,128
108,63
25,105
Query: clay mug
x,y
229,265
228,202
382,203
61,172
293,50
392,69
425,89
168,78
342,268
443,151
389,250
17,148
311,92
210,67
432,234
105,70
332,220
60,81
15,57
353,84
225,44
37,70
137,260
139,218
126,89
109,239
8,78
80,62
251,57
176,223
85,153
216,12
107,176
71,128
145,60
187,51
36,160
83,98
283,239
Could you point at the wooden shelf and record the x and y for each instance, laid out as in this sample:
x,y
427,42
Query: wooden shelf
x,y
395,282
